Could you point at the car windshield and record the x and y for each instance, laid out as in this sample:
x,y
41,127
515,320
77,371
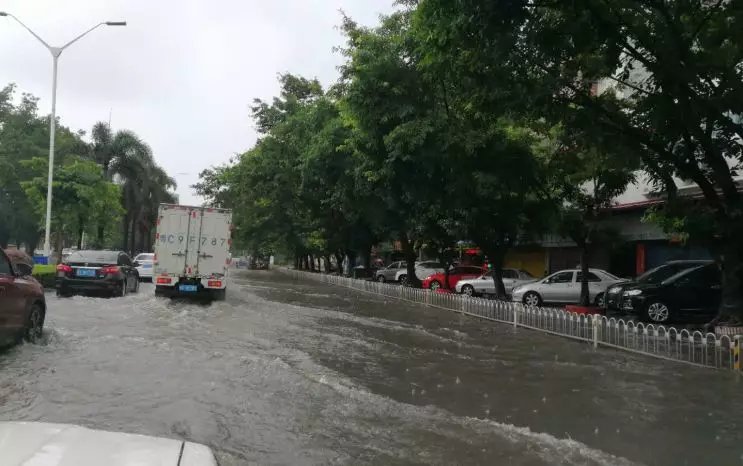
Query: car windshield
x,y
145,257
660,274
607,275
97,257
525,274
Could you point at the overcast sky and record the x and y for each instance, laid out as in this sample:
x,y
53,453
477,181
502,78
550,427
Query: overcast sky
x,y
182,74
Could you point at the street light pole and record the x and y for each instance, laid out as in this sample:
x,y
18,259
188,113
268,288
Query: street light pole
x,y
56,52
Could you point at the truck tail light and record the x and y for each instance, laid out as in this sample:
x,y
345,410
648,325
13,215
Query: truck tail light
x,y
163,280
214,284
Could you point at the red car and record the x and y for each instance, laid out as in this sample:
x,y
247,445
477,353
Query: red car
x,y
437,280
22,303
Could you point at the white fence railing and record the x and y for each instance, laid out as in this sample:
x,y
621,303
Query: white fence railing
x,y
692,347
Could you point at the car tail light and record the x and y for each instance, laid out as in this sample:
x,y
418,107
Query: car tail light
x,y
64,268
163,280
214,283
110,270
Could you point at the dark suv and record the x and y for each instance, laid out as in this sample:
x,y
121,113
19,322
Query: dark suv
x,y
687,291
22,303
97,272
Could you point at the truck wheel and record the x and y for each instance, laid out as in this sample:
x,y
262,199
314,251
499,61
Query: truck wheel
x,y
219,295
160,291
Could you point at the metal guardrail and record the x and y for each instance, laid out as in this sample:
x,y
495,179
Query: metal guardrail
x,y
691,347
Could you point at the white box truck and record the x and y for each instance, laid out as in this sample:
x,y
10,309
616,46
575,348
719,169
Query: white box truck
x,y
192,251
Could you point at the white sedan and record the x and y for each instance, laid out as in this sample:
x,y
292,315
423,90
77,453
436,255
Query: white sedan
x,y
145,265
485,285
41,443
422,271
564,287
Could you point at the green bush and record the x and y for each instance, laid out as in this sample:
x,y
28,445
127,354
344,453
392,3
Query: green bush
x,y
45,275
43,269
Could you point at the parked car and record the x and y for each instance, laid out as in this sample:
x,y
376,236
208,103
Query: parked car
x,y
22,304
437,280
655,276
97,272
26,443
146,262
422,270
484,284
564,287
389,273
690,295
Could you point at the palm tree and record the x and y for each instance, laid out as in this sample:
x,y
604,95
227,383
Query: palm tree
x,y
127,160
156,190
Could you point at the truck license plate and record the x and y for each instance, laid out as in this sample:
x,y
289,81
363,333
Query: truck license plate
x,y
187,288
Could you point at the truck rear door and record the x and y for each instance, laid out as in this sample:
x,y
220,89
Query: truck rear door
x,y
171,241
214,242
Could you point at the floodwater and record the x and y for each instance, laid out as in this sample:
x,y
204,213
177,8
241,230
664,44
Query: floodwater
x,y
288,372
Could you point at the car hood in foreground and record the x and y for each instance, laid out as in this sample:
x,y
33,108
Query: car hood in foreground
x,y
44,444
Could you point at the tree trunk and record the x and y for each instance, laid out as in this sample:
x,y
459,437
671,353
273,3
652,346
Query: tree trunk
x,y
99,235
446,260
296,262
133,234
410,258
147,240
328,267
312,263
351,256
80,231
58,248
585,297
125,239
731,303
496,256
339,262
367,258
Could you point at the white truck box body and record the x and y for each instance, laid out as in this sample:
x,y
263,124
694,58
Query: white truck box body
x,y
192,243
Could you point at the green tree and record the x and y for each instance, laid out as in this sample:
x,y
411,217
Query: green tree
x,y
400,123
673,75
126,159
23,136
81,196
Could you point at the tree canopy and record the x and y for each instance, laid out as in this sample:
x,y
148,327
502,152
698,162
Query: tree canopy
x,y
498,121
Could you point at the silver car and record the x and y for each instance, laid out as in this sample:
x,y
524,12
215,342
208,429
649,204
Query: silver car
x,y
564,287
422,271
485,285
389,273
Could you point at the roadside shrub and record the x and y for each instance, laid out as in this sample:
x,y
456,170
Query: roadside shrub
x,y
44,274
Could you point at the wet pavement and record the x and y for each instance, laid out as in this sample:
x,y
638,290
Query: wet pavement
x,y
288,372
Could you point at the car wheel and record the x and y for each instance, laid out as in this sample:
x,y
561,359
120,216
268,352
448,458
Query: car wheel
x,y
658,312
468,290
381,279
403,280
532,298
599,300
63,293
34,324
435,285
122,291
136,286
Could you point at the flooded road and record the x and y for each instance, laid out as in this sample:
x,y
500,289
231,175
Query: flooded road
x,y
288,372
